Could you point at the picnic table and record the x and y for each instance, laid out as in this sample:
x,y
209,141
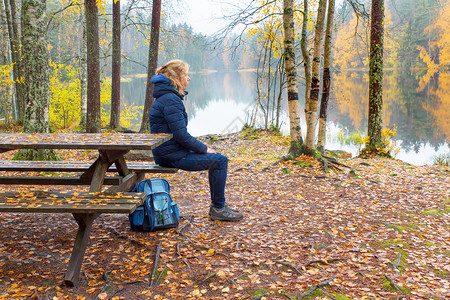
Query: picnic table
x,y
84,206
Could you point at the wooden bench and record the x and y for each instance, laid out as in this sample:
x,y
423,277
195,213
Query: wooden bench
x,y
71,166
84,206
139,168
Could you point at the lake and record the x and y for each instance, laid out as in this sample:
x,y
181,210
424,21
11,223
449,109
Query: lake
x,y
417,106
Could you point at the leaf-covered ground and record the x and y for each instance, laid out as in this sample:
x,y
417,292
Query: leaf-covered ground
x,y
383,234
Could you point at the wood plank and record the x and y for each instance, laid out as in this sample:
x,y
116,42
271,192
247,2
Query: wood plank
x,y
51,202
70,166
85,209
69,194
55,180
127,184
97,141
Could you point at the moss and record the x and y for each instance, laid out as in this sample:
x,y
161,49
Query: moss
x,y
39,154
340,296
437,211
389,243
387,286
315,294
258,292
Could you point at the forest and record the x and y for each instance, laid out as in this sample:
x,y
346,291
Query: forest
x,y
416,42
317,223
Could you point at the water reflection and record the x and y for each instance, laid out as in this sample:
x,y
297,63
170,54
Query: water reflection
x,y
223,102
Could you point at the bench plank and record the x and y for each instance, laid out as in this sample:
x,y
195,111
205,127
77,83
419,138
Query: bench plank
x,y
71,166
76,202
56,180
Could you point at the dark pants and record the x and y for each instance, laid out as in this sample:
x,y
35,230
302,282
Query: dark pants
x,y
216,164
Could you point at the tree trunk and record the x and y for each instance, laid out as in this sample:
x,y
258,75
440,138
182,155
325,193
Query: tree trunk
x,y
93,121
116,63
4,36
16,55
375,119
152,64
82,65
36,76
36,69
296,147
326,78
6,95
305,54
311,105
259,80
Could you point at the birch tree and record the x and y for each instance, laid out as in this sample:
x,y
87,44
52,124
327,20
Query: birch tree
x,y
326,78
296,147
303,46
312,102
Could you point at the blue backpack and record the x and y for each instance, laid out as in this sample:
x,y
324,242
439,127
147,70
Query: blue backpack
x,y
158,211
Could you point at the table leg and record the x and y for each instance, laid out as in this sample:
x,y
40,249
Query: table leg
x,y
76,259
99,175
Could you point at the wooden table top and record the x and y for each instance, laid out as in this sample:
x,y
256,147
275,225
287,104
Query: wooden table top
x,y
99,141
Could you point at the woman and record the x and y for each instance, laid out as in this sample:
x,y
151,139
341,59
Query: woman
x,y
183,151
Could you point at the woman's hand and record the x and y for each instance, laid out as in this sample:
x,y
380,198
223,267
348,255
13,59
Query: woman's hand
x,y
211,151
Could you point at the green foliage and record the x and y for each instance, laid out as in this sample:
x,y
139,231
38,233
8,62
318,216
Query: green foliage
x,y
249,133
442,160
356,138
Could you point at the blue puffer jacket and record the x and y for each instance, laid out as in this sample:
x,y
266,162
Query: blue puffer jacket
x,y
168,115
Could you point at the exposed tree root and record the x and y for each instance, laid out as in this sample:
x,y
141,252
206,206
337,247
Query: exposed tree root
x,y
393,284
125,237
107,285
327,162
397,263
155,263
296,270
284,158
259,297
315,287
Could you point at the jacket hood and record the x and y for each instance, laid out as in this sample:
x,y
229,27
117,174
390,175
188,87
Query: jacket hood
x,y
162,86
160,78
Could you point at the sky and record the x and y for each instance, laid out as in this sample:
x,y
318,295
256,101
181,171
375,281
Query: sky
x,y
205,16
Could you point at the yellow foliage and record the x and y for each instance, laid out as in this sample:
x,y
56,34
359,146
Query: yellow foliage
x,y
432,68
442,29
389,145
128,113
440,109
351,50
65,97
5,75
352,44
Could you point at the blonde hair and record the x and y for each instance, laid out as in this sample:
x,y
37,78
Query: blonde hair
x,y
173,70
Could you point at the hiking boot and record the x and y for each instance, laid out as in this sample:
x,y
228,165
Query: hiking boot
x,y
225,214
